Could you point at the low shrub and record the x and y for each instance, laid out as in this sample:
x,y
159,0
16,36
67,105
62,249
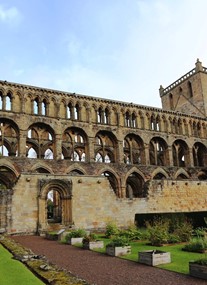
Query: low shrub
x,y
173,238
132,233
196,245
161,231
184,231
200,232
158,231
90,237
111,230
75,234
119,241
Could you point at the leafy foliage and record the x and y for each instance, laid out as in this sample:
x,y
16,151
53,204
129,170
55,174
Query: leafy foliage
x,y
76,233
132,233
90,237
196,245
184,231
200,232
111,230
119,241
202,261
162,231
158,231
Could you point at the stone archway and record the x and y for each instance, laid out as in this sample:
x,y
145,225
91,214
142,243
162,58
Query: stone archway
x,y
62,213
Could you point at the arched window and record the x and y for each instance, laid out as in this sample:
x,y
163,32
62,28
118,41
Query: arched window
x,y
180,153
159,176
44,107
31,153
4,151
127,119
106,116
135,186
199,154
74,145
69,111
133,150
154,123
158,152
113,181
98,157
77,112
9,138
9,101
48,154
99,115
105,147
36,106
40,139
181,176
134,125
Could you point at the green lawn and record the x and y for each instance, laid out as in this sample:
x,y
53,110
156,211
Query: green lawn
x,y
13,272
179,258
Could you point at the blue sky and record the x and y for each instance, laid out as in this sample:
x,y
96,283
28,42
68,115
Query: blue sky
x,y
121,49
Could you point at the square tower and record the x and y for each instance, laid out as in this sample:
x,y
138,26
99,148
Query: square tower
x,y
188,94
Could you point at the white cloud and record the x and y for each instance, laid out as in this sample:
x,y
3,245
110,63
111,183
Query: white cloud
x,y
10,15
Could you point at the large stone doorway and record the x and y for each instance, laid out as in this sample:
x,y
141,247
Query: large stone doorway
x,y
55,204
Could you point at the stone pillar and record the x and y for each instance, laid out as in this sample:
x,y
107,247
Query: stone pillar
x,y
58,146
91,150
4,102
42,219
120,152
147,157
22,143
88,116
170,156
190,158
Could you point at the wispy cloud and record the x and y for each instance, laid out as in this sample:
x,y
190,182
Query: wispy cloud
x,y
10,16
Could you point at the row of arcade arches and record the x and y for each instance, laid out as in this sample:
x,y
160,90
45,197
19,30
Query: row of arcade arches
x,y
41,143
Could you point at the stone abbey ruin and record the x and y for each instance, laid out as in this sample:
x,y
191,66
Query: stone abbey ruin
x,y
69,159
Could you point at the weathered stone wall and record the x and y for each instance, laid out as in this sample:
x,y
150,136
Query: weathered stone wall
x,y
121,158
94,203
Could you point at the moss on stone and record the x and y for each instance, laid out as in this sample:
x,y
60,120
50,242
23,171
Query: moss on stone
x,y
42,268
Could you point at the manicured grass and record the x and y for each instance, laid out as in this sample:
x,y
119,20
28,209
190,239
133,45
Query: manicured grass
x,y
179,259
13,272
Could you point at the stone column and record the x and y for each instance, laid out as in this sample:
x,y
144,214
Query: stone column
x,y
147,157
91,150
120,152
170,156
189,162
58,146
22,143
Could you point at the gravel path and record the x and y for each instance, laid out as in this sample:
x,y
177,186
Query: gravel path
x,y
100,269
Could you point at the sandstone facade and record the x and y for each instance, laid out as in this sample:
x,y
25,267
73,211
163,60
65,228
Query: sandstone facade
x,y
69,159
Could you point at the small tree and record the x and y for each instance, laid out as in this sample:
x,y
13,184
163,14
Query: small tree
x,y
111,230
158,231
